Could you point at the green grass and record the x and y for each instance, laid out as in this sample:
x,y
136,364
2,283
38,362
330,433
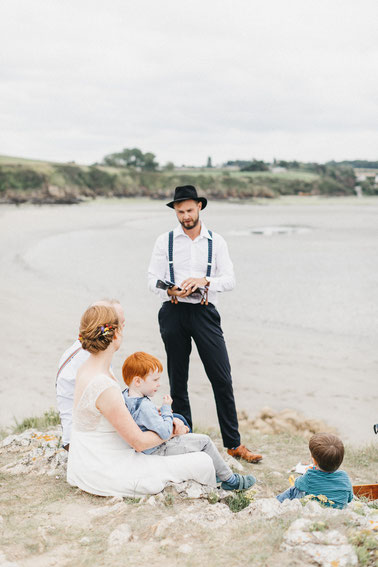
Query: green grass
x,y
4,160
318,527
44,515
289,175
49,419
366,546
237,501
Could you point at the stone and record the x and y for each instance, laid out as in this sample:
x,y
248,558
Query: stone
x,y
191,489
325,548
312,508
194,491
267,412
292,506
213,516
5,563
85,540
115,499
296,534
265,507
38,452
287,420
160,497
8,440
232,463
118,538
167,542
101,511
359,507
151,501
162,526
185,548
56,192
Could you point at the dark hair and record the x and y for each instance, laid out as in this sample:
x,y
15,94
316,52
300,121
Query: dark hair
x,y
98,326
327,450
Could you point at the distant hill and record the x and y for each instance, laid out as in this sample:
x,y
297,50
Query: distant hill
x,y
357,163
37,181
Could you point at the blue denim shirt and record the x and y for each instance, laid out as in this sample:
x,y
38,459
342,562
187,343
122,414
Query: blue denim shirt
x,y
146,415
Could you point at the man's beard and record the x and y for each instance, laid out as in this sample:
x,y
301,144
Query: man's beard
x,y
193,225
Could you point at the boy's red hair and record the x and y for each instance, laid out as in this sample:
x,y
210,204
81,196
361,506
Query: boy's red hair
x,y
139,364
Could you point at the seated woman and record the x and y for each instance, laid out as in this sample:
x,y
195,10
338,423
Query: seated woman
x,y
105,455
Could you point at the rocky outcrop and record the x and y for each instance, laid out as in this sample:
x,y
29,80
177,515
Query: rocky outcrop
x,y
286,421
34,452
328,548
312,534
48,195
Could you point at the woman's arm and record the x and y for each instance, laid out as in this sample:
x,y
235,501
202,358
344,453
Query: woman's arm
x,y
110,403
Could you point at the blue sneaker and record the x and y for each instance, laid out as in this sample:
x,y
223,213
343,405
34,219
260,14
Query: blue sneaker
x,y
239,482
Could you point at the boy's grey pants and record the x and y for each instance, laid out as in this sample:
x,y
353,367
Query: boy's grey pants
x,y
191,443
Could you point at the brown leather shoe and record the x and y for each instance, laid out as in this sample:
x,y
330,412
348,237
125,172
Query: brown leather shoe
x,y
242,452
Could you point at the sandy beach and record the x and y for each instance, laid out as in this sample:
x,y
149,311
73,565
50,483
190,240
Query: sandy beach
x,y
301,325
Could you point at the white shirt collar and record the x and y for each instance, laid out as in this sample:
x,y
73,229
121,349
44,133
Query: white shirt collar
x,y
179,231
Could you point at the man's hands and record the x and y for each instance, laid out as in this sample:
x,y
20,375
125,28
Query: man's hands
x,y
179,428
187,287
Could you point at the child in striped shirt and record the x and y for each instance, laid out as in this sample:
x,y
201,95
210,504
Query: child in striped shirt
x,y
324,478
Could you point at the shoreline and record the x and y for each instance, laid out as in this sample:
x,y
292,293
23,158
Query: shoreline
x,y
299,326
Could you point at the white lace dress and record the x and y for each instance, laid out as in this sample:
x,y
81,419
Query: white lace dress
x,y
101,462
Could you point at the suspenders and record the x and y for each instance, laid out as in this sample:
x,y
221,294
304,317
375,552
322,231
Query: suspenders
x,y
66,362
170,256
209,254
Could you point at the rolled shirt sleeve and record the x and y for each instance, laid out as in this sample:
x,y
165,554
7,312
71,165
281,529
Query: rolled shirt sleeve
x,y
225,278
157,267
149,417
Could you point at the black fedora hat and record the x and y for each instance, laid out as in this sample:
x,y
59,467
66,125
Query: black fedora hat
x,y
186,193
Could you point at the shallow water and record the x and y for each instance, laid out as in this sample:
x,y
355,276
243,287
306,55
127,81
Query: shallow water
x,y
301,325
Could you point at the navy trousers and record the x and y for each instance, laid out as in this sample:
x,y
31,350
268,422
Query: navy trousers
x,y
179,324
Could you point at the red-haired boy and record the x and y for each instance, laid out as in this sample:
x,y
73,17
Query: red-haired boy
x,y
141,373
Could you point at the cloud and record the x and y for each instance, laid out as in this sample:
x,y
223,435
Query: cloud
x,y
189,79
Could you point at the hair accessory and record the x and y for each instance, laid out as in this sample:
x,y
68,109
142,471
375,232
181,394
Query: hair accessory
x,y
105,329
80,338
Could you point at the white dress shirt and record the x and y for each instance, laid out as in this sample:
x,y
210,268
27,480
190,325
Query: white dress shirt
x,y
190,260
65,387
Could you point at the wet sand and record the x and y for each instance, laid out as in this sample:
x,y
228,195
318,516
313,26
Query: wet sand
x,y
301,325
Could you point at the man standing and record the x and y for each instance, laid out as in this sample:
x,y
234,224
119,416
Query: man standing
x,y
198,263
69,364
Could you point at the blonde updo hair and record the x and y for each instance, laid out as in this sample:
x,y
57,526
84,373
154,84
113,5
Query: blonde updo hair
x,y
98,326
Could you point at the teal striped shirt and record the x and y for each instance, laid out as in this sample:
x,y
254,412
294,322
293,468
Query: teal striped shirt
x,y
336,486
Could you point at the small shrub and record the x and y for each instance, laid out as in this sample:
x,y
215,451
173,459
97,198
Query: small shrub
x,y
129,500
237,501
49,419
213,498
366,548
20,177
318,527
169,500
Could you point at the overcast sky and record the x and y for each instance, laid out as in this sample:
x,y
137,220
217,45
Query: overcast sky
x,y
189,79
